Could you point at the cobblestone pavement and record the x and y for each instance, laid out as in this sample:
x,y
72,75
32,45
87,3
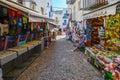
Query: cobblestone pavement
x,y
59,62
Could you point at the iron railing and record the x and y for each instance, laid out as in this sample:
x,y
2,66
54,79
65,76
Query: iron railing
x,y
93,4
70,1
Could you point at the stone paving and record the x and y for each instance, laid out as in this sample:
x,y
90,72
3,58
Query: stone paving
x,y
59,62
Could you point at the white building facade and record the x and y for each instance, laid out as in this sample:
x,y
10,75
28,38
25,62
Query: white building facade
x,y
44,7
76,19
61,18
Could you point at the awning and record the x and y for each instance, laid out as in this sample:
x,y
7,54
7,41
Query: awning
x,y
35,19
14,5
24,9
110,10
53,23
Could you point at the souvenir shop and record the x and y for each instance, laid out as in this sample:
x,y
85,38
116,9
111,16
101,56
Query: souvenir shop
x,y
20,38
53,30
103,46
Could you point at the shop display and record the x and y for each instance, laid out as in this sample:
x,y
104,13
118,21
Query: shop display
x,y
25,24
4,29
4,11
20,37
92,31
4,15
2,43
104,53
112,33
13,21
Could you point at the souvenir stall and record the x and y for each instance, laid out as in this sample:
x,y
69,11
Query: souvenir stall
x,y
53,29
18,42
45,33
92,30
105,53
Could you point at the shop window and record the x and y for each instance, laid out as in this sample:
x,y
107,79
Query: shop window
x,y
48,4
101,1
50,14
79,5
65,16
51,9
42,10
20,1
33,7
65,22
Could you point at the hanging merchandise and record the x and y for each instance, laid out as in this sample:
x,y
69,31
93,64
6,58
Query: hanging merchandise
x,y
38,27
4,29
4,16
25,20
13,21
88,32
22,40
11,41
113,33
2,42
38,23
28,37
97,23
19,22
4,11
47,27
19,13
12,13
25,24
31,26
34,24
42,26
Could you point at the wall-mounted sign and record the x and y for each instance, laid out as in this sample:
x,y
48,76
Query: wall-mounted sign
x,y
102,12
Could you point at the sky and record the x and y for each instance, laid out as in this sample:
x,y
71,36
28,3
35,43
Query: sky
x,y
59,3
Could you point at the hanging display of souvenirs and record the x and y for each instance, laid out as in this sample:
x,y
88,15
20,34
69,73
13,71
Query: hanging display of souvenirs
x,y
13,21
4,11
2,42
11,41
25,24
112,33
25,20
19,22
12,13
4,29
4,17
19,13
31,26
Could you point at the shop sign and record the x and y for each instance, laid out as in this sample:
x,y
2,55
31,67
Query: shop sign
x,y
35,19
102,12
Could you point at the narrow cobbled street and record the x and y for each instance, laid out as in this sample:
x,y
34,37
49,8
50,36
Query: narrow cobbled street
x,y
59,62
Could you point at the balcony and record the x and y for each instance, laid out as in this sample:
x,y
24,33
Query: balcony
x,y
70,1
94,4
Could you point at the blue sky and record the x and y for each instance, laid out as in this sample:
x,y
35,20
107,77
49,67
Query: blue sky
x,y
59,3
